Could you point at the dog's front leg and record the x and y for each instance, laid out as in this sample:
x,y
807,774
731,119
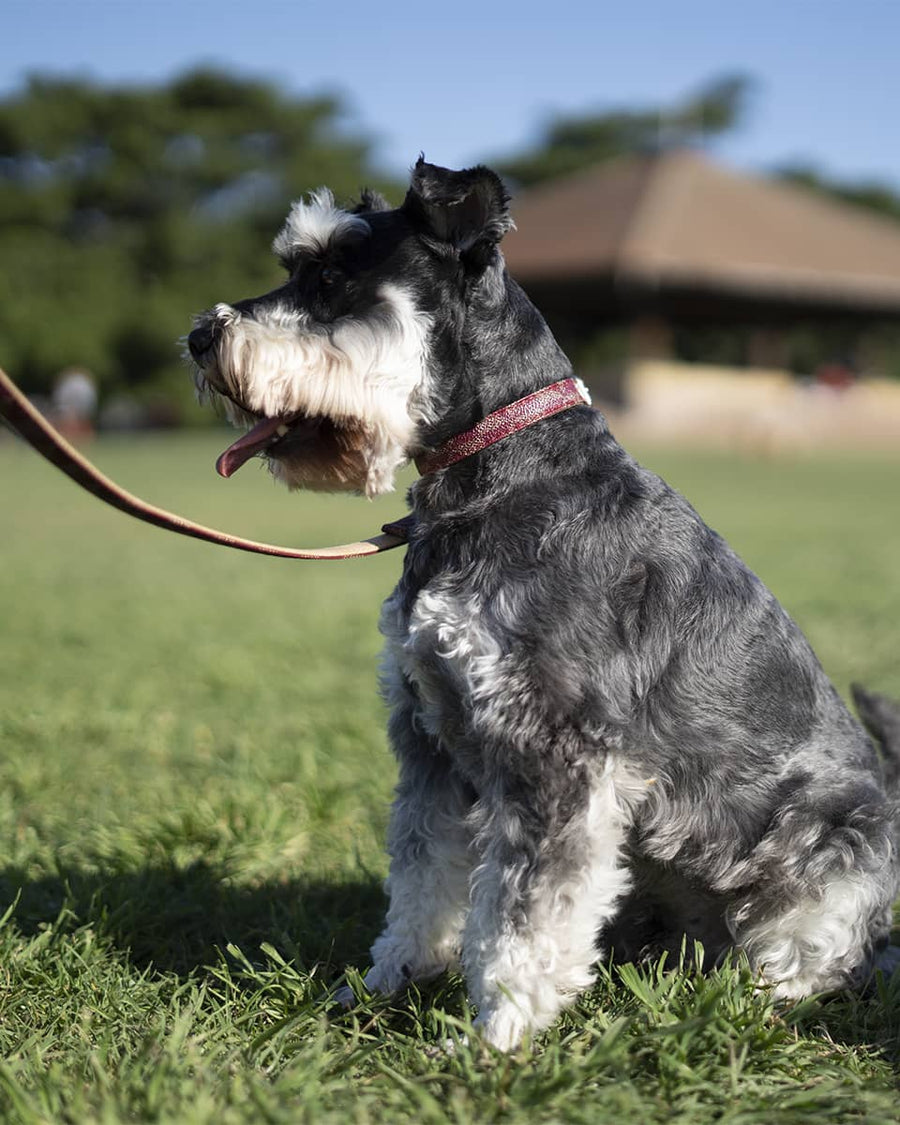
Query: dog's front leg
x,y
431,861
550,875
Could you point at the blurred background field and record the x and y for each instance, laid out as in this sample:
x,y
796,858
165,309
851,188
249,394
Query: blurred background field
x,y
134,660
194,789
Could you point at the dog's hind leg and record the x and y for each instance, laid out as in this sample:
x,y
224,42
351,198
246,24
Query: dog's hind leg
x,y
832,941
819,915
547,882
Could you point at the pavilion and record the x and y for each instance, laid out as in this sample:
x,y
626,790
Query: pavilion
x,y
673,257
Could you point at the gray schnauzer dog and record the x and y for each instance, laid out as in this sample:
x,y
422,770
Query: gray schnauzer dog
x,y
609,733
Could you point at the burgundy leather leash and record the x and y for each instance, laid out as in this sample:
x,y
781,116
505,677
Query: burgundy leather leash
x,y
31,425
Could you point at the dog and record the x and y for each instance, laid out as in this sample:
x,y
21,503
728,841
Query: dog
x,y
609,733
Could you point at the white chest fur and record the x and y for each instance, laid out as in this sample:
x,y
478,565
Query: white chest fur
x,y
444,648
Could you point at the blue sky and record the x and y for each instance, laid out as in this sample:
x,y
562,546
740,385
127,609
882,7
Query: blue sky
x,y
467,80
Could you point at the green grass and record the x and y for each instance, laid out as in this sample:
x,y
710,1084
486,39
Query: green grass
x,y
194,786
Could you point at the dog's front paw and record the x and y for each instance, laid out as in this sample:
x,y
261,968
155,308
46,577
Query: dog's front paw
x,y
345,996
503,1027
387,977
382,979
398,960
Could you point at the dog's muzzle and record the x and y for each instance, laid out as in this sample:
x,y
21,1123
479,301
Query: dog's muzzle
x,y
201,341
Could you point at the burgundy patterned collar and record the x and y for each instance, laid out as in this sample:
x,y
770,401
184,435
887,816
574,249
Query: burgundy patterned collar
x,y
505,421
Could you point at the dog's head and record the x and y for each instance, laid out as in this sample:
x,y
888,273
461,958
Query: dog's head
x,y
338,372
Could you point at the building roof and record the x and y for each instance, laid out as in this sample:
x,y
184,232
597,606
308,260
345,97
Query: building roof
x,y
677,220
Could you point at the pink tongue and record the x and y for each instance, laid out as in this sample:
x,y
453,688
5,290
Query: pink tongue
x,y
245,447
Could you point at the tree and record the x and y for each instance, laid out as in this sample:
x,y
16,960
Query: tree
x,y
572,143
125,209
873,195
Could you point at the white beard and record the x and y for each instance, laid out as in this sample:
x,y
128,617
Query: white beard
x,y
367,375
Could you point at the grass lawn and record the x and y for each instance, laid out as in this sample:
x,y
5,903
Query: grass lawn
x,y
194,785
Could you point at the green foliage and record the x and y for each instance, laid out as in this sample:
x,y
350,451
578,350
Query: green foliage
x,y
873,195
572,143
123,210
194,788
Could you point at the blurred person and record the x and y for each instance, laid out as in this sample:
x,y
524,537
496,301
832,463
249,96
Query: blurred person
x,y
74,404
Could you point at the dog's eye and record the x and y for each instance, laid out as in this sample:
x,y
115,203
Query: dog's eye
x,y
329,277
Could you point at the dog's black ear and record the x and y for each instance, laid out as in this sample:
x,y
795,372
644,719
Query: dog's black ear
x,y
466,209
370,201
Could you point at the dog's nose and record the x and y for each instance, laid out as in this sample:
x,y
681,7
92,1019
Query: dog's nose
x,y
201,340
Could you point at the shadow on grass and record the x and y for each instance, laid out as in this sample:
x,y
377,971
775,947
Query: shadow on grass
x,y
175,919
171,919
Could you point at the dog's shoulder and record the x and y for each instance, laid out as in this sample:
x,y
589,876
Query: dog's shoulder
x,y
576,504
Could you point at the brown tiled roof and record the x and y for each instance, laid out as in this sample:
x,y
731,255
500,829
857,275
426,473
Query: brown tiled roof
x,y
678,220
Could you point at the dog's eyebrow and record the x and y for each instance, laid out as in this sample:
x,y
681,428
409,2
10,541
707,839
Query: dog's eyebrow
x,y
314,225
